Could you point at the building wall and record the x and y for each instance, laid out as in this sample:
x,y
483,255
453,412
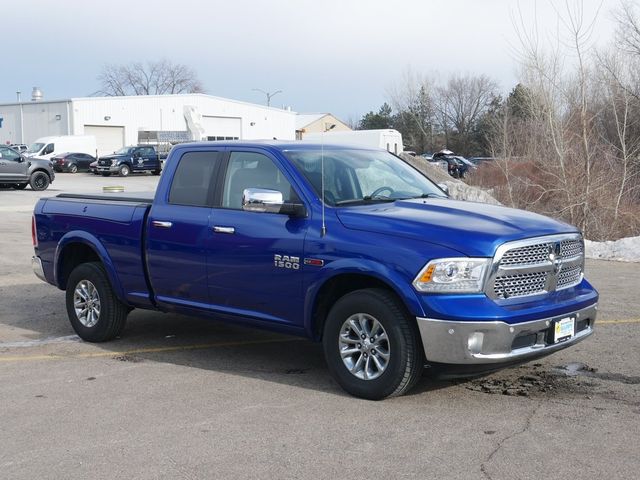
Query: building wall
x,y
218,117
323,123
39,119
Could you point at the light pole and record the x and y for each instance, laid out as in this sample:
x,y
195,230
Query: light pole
x,y
268,94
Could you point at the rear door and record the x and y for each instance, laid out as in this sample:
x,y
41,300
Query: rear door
x,y
178,233
149,158
255,259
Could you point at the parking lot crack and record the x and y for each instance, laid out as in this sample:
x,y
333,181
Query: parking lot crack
x,y
525,428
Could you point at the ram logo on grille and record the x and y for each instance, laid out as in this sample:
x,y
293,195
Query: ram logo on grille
x,y
536,266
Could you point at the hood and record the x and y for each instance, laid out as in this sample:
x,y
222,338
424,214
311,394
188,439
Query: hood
x,y
474,229
113,156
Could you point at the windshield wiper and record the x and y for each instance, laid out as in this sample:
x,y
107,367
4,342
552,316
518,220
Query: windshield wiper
x,y
367,199
426,195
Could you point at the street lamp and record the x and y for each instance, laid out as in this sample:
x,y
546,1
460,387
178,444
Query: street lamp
x,y
268,94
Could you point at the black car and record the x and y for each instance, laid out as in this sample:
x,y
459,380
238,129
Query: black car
x,y
72,162
455,166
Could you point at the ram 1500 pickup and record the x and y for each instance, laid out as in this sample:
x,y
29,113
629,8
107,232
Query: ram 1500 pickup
x,y
345,245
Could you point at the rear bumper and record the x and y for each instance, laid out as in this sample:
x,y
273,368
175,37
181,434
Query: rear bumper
x,y
495,342
36,265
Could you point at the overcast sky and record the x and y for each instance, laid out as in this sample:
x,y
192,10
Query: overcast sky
x,y
338,56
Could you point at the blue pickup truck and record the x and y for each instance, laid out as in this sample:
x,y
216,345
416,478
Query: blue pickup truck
x,y
345,245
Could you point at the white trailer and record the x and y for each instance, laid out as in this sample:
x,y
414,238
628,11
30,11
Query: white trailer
x,y
47,147
388,139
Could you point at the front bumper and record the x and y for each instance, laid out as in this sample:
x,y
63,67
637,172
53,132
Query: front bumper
x,y
36,264
108,169
496,342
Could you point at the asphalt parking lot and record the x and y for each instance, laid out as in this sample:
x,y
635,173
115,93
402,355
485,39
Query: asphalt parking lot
x,y
178,397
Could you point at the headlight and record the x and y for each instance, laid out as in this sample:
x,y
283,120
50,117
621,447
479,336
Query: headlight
x,y
453,275
114,162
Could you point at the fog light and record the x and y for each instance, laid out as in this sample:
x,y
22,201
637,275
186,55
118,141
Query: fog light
x,y
475,342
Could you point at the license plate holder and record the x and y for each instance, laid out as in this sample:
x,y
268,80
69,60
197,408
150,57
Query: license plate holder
x,y
564,329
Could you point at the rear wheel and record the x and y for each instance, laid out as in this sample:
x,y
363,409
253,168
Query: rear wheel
x,y
371,345
39,181
95,313
157,172
73,168
124,171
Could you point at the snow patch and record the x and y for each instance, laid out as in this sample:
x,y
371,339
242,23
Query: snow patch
x,y
623,250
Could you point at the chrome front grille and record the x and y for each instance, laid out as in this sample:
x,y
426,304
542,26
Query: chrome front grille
x,y
536,266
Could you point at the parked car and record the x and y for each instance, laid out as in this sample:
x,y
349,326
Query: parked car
x,y
457,166
129,160
19,147
19,171
72,162
348,246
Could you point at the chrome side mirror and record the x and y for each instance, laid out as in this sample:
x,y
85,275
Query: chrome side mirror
x,y
269,201
444,188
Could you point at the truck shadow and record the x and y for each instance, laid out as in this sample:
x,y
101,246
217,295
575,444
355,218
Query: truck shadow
x,y
191,342
234,350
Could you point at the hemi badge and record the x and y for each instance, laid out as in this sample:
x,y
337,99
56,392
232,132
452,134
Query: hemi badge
x,y
314,262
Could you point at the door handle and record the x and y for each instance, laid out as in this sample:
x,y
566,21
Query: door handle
x,y
159,224
219,229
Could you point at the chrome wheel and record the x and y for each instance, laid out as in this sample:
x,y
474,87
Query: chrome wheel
x,y
364,346
86,303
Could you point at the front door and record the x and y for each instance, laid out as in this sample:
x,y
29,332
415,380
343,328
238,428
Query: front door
x,y
255,259
12,166
178,232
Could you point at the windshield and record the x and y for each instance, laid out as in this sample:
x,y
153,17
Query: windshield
x,y
35,147
123,151
362,176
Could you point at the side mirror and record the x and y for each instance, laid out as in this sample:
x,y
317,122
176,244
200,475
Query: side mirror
x,y
269,201
444,188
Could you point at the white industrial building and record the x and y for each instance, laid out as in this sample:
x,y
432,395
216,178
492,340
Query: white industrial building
x,y
120,121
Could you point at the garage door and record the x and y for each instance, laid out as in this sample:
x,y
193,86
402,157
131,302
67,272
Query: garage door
x,y
108,139
221,128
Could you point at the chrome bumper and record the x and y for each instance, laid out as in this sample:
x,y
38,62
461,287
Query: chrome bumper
x,y
475,343
36,264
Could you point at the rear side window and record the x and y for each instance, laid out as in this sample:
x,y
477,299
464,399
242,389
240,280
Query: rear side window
x,y
194,179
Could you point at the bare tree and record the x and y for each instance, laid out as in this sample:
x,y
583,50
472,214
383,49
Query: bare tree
x,y
464,98
151,78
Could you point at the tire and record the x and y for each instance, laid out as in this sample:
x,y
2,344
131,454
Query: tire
x,y
89,280
124,171
405,359
39,181
19,186
73,168
156,172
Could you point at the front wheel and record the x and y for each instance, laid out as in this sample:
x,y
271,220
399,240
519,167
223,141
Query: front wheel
x,y
371,345
124,171
96,314
39,181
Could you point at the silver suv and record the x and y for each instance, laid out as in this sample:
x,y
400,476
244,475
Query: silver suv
x,y
18,171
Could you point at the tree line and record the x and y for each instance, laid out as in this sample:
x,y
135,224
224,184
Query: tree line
x,y
566,138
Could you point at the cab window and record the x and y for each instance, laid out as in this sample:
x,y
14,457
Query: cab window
x,y
253,170
194,179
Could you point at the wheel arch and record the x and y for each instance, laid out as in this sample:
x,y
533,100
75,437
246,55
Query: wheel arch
x,y
324,294
78,247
